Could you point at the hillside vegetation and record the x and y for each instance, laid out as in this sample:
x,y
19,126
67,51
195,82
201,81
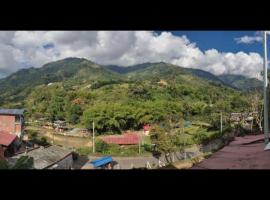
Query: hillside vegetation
x,y
116,98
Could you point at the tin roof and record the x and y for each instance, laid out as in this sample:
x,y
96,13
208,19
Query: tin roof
x,y
243,153
102,161
44,157
11,111
125,139
6,139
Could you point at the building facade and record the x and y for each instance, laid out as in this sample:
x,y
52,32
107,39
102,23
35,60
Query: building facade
x,y
12,121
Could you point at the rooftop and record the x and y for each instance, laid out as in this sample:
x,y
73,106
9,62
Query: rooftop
x,y
6,139
11,111
44,157
243,153
102,161
125,139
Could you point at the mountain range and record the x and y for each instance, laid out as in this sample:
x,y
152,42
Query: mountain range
x,y
79,71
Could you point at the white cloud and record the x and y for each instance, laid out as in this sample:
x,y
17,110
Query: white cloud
x,y
250,39
119,48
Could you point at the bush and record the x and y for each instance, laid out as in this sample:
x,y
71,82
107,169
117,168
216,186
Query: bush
x,y
84,151
101,146
32,135
147,147
42,141
199,137
24,162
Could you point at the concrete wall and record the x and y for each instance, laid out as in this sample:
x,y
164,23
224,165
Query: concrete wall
x,y
66,163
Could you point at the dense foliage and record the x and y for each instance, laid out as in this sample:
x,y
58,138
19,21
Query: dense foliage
x,y
80,92
24,162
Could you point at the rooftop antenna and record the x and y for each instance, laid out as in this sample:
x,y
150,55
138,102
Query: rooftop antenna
x,y
265,86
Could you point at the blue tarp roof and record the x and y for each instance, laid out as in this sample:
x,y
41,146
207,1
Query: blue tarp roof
x,y
102,161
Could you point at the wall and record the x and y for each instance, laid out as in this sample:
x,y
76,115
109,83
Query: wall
x,y
7,123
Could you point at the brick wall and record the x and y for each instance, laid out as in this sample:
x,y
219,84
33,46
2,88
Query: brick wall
x,y
8,124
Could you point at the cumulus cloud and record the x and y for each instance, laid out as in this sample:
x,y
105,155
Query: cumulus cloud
x,y
34,48
250,39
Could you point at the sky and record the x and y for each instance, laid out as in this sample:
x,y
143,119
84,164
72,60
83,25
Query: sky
x,y
218,52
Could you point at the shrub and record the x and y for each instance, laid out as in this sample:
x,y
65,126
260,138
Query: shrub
x,y
32,135
147,147
199,137
83,151
42,141
101,146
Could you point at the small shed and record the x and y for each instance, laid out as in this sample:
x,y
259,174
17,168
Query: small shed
x,y
125,139
146,129
51,157
60,125
9,143
103,163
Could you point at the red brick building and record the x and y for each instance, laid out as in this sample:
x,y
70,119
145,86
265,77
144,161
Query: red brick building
x,y
8,144
12,121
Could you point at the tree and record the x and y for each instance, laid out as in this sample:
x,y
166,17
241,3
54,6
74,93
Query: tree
x,y
55,109
163,142
74,113
24,162
256,107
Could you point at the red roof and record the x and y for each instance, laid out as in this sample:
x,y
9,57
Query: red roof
x,y
146,127
125,139
6,139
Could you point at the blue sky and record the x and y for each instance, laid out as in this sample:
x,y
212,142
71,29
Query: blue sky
x,y
223,41
218,52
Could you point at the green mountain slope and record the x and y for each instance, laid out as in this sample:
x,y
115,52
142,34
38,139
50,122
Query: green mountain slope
x,y
74,70
241,82
82,92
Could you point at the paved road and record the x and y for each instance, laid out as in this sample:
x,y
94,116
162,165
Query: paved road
x,y
242,153
144,161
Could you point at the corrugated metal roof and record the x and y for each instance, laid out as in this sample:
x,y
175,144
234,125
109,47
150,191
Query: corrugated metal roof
x,y
45,157
102,161
11,111
6,139
125,139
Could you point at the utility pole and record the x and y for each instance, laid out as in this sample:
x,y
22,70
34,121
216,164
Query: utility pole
x,y
139,144
93,137
220,122
266,134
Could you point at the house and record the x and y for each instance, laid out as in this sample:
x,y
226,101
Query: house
x,y
12,121
146,129
9,144
60,125
125,139
236,117
51,157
